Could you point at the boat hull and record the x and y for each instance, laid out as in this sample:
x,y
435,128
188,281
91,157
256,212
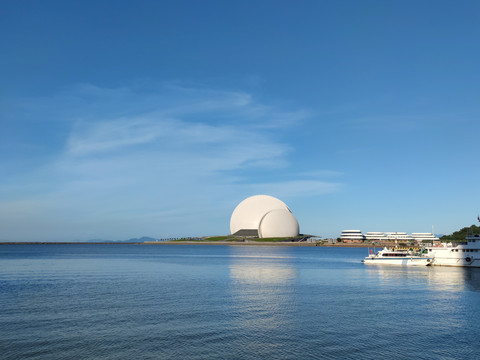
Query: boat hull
x,y
462,255
456,261
410,261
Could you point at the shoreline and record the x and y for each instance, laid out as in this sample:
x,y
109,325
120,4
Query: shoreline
x,y
256,243
178,242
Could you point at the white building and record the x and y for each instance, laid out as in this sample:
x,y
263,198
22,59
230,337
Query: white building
x,y
418,237
375,236
352,236
263,216
391,236
398,236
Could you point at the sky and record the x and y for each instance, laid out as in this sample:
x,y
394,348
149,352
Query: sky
x,y
156,118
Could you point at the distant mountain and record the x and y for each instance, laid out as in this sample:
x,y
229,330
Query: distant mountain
x,y
142,239
133,240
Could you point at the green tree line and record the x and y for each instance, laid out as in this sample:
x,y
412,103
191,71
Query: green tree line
x,y
461,234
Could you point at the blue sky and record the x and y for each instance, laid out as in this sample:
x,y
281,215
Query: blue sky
x,y
131,118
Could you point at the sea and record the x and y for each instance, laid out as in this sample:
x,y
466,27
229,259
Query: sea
x,y
128,301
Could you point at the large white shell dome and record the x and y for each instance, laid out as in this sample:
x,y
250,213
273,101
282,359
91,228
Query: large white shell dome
x,y
260,214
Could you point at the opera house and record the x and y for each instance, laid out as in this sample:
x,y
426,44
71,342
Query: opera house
x,y
263,216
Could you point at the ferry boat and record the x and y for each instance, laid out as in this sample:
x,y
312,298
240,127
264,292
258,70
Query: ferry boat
x,y
397,257
466,254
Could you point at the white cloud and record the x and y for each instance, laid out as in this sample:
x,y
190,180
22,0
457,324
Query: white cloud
x,y
155,163
111,135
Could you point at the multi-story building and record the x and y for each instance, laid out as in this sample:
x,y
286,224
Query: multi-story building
x,y
419,237
398,236
351,236
375,236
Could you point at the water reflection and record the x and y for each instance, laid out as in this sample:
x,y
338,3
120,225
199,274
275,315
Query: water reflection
x,y
261,265
472,279
261,292
454,279
445,279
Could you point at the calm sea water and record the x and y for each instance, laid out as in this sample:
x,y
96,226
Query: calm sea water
x,y
230,302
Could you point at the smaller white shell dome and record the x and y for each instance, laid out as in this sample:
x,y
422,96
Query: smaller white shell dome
x,y
278,223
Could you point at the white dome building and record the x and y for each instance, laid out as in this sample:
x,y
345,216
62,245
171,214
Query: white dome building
x,y
263,216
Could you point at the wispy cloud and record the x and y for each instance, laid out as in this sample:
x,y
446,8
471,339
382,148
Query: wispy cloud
x,y
156,162
111,135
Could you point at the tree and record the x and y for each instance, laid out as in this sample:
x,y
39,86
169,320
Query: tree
x,y
460,235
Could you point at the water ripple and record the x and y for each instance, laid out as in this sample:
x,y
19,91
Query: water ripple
x,y
187,302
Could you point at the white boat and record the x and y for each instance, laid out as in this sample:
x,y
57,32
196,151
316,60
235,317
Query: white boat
x,y
397,257
466,254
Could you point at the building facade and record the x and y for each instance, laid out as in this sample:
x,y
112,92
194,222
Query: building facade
x,y
352,236
355,236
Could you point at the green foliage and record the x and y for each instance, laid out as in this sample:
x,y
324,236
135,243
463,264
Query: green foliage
x,y
221,238
236,238
278,239
460,235
240,238
212,238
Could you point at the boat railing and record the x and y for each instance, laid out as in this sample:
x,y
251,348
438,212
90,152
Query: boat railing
x,y
454,244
